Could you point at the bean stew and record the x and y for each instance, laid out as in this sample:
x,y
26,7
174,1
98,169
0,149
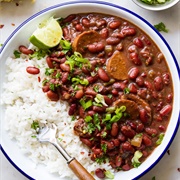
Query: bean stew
x,y
117,84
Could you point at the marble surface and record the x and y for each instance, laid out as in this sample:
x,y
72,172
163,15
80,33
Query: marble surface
x,y
13,14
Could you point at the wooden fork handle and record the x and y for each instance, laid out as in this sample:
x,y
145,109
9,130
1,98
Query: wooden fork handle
x,y
79,170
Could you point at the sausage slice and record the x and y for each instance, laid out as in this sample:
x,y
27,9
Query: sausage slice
x,y
116,66
131,107
85,38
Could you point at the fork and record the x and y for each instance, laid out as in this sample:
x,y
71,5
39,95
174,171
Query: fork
x,y
47,134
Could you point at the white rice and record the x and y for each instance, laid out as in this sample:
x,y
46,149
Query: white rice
x,y
25,102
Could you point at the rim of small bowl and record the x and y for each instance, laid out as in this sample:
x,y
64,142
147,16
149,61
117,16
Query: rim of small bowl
x,y
157,7
127,11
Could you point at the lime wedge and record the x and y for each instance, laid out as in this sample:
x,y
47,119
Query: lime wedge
x,y
47,35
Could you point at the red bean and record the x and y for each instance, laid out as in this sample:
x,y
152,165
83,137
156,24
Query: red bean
x,y
65,67
138,42
92,79
69,18
151,131
140,127
108,100
143,116
64,78
86,22
148,85
66,33
79,27
132,88
53,96
49,62
118,161
169,98
89,91
87,142
99,109
91,113
96,47
72,109
128,31
126,167
158,83
110,144
103,75
161,128
45,88
128,131
114,24
121,137
166,110
133,73
127,147
100,173
104,33
119,85
135,58
101,23
32,70
96,151
114,129
140,81
113,40
114,92
166,78
25,50
79,94
146,140
116,142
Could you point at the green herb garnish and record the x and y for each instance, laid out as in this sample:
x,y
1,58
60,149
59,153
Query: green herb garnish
x,y
17,54
159,141
35,125
161,27
135,160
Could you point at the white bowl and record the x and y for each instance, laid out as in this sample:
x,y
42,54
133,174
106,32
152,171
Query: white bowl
x,y
157,7
20,36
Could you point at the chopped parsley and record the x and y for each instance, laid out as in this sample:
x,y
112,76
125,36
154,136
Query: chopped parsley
x,y
35,125
17,54
48,71
161,27
38,54
104,147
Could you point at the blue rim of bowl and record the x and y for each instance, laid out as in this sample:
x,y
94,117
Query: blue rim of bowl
x,y
118,7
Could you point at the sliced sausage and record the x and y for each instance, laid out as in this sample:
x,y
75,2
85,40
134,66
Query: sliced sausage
x,y
116,66
85,38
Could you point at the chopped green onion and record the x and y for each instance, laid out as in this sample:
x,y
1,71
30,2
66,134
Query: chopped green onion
x,y
159,141
109,174
100,99
135,160
88,119
84,104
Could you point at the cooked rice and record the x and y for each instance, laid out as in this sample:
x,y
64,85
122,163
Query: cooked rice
x,y
25,102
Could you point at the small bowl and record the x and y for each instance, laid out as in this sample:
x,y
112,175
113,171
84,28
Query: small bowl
x,y
157,7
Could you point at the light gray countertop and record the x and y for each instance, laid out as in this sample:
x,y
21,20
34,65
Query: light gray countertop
x,y
12,15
